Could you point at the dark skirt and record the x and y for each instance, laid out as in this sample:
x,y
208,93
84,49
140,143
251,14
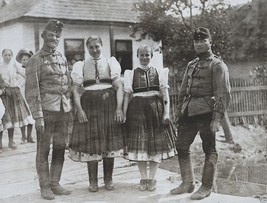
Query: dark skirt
x,y
101,136
147,138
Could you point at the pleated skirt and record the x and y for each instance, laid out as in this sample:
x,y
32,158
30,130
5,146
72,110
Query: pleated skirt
x,y
147,139
17,112
101,136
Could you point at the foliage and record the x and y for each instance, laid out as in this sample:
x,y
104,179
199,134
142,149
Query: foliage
x,y
173,21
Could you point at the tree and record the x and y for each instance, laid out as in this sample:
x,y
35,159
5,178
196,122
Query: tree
x,y
173,21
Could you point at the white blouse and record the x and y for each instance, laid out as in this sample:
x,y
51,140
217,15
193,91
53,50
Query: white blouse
x,y
128,79
108,68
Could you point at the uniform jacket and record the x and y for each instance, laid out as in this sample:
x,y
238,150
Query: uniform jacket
x,y
205,88
48,83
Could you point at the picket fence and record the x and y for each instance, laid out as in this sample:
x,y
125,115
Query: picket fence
x,y
248,99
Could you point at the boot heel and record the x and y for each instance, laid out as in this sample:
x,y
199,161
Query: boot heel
x,y
191,188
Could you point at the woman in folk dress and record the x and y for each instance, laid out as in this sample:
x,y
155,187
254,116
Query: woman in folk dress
x,y
150,134
96,133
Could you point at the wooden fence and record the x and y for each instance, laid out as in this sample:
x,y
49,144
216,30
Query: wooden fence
x,y
248,103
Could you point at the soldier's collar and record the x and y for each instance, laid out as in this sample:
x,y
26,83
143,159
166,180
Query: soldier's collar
x,y
49,50
205,55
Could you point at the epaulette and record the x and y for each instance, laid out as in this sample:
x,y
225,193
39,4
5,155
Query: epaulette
x,y
218,57
193,61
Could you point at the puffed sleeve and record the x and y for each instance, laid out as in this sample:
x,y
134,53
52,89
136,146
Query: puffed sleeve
x,y
128,81
163,77
115,68
77,73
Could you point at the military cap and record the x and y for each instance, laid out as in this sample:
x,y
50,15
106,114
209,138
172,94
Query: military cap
x,y
55,26
23,52
201,33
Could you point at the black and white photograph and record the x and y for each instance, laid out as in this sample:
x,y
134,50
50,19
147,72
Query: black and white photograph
x,y
137,101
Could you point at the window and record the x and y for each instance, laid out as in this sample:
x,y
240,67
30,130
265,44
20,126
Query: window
x,y
124,54
74,50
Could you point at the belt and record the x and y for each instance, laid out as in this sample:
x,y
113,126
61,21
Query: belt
x,y
146,89
92,82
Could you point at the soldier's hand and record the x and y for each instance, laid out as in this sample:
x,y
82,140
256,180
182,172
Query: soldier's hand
x,y
82,118
39,125
214,126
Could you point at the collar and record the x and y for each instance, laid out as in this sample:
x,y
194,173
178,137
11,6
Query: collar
x,y
49,50
96,59
205,55
145,68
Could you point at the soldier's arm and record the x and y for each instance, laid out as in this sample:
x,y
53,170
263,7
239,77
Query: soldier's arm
x,y
32,88
221,90
182,94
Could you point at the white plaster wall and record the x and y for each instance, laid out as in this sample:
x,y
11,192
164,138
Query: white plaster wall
x,y
21,35
11,37
123,33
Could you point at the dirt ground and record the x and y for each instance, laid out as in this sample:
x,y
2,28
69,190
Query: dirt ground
x,y
252,149
244,161
19,181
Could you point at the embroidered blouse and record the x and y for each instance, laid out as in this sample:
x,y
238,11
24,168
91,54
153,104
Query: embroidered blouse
x,y
128,81
96,74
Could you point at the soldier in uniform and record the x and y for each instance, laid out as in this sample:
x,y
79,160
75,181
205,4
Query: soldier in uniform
x,y
203,99
48,86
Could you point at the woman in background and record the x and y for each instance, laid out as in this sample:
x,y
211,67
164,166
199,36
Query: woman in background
x,y
23,57
17,113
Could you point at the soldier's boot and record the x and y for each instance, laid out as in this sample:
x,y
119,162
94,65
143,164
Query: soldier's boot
x,y
29,134
92,167
108,165
11,143
207,177
56,170
187,175
1,145
44,181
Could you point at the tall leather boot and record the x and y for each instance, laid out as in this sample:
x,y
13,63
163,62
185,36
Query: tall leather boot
x,y
187,175
44,180
108,165
207,177
92,167
29,134
56,170
11,143
1,145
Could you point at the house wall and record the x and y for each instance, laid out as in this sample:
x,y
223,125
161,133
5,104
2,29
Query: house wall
x,y
9,38
21,35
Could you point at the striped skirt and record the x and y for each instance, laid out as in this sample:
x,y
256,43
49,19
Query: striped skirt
x,y
17,112
147,138
101,136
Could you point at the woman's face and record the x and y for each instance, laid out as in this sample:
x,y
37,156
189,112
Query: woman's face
x,y
94,49
144,56
24,60
7,56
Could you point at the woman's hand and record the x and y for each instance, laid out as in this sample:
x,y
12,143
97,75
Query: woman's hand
x,y
82,118
118,116
166,120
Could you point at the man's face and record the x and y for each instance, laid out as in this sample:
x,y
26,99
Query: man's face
x,y
144,56
51,39
94,48
7,56
202,46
